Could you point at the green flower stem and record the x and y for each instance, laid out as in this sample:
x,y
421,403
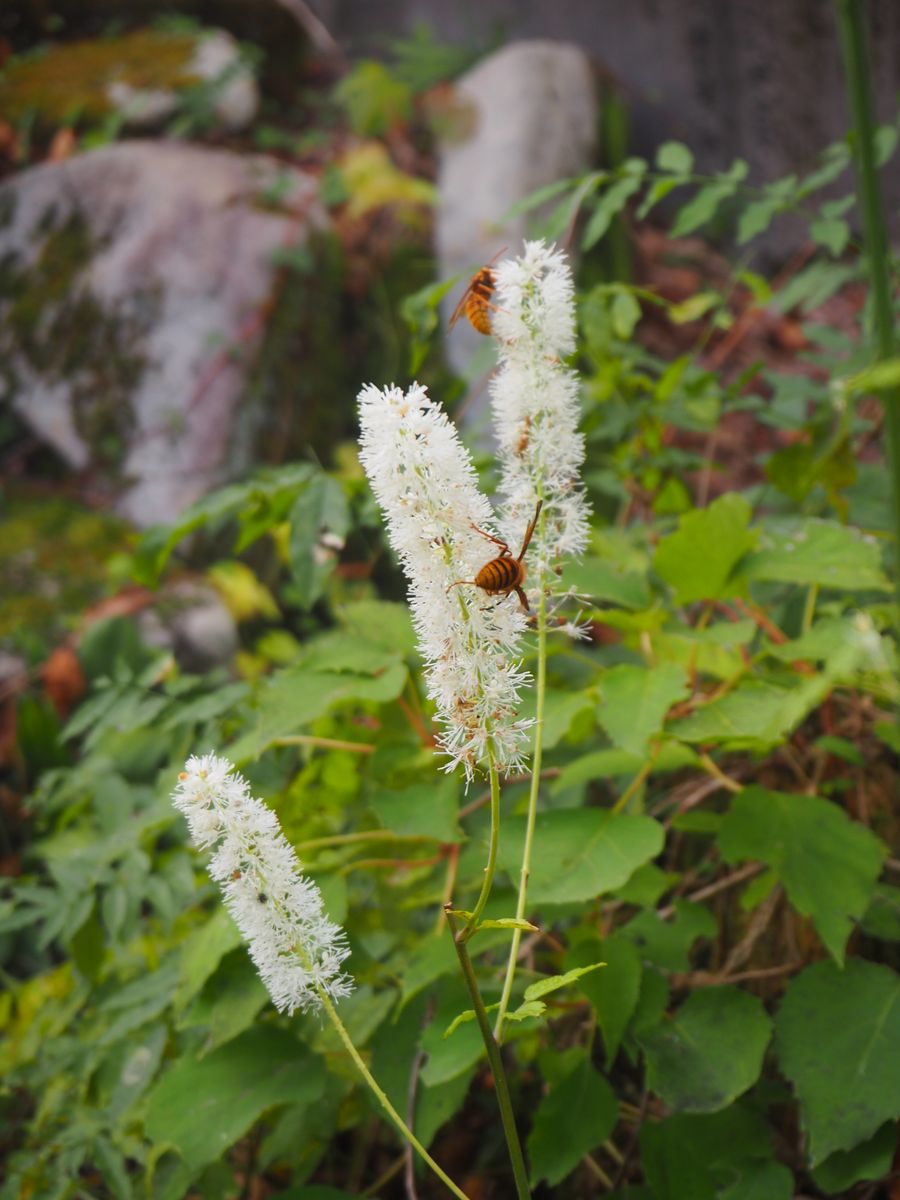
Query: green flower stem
x,y
402,1128
472,923
501,1086
540,691
857,78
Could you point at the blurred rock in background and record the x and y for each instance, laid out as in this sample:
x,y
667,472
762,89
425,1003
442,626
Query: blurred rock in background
x,y
134,289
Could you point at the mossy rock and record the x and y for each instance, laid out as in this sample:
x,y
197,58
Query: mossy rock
x,y
70,84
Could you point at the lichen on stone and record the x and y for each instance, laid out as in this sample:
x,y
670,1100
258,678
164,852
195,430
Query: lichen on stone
x,y
56,330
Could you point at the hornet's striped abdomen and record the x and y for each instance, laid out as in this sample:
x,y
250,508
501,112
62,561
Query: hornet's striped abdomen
x,y
501,574
478,302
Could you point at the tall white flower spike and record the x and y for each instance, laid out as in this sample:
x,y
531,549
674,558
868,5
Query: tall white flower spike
x,y
279,911
425,483
535,407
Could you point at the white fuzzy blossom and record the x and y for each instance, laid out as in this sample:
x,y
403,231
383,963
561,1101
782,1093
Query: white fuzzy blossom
x,y
279,911
535,406
425,483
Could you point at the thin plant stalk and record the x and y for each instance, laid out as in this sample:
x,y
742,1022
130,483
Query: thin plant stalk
x,y
501,1086
472,923
402,1128
540,684
857,77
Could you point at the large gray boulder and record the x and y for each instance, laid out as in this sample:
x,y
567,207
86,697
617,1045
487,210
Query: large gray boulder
x,y
133,285
528,116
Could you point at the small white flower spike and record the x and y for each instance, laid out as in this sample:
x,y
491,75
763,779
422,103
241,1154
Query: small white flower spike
x,y
279,911
424,481
535,405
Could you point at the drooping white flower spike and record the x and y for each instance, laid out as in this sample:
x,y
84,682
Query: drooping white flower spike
x,y
425,483
279,911
535,407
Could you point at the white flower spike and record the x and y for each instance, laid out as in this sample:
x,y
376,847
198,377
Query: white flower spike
x,y
279,911
424,481
535,405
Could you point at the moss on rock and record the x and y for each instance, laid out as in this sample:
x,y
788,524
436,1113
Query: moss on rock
x,y
69,84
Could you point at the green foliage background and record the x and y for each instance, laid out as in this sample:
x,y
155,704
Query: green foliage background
x,y
718,803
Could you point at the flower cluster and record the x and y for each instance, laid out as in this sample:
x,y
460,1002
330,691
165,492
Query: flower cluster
x,y
535,406
297,951
425,483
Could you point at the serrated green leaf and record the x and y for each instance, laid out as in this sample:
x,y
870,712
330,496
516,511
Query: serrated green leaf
x,y
421,810
531,1008
697,560
668,943
201,954
584,852
634,701
203,1107
809,550
836,1034
871,1159
754,715
613,992
827,863
710,1052
695,1157
554,982
577,1115
607,764
882,918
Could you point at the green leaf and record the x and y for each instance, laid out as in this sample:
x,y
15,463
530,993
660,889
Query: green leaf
x,y
613,992
577,1115
809,550
508,923
202,952
693,308
421,810
710,1052
203,1107
754,715
882,918
832,233
294,697
319,522
836,1034
668,943
608,206
879,377
698,559
827,863
230,1001
530,1008
871,1159
604,579
757,217
692,1157
625,312
584,852
702,208
552,983
449,1057
634,701
675,158
607,764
